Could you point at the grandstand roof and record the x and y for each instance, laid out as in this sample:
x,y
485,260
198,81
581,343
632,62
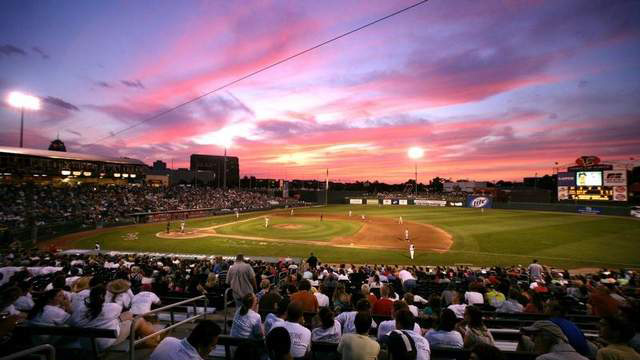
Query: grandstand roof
x,y
67,155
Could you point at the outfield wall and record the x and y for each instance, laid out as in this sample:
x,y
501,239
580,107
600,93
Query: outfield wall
x,y
571,208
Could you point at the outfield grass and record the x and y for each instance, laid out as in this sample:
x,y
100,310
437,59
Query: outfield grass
x,y
493,237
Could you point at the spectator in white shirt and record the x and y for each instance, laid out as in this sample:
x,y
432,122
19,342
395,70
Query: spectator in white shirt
x,y
445,335
142,301
196,346
25,302
388,326
52,309
473,297
458,307
408,298
347,318
280,315
247,323
330,331
405,322
300,336
95,312
323,300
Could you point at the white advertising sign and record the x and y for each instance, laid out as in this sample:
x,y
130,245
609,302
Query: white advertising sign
x,y
615,178
563,192
386,202
423,202
355,201
620,193
403,202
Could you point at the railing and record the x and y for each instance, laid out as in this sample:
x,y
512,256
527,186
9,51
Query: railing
x,y
51,352
132,338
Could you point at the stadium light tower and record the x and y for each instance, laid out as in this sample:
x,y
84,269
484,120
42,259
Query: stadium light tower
x,y
415,153
23,101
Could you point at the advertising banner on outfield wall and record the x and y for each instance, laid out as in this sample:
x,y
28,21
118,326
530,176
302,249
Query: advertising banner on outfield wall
x,y
395,202
455,203
563,192
615,178
588,210
403,202
355,201
386,202
372,202
620,193
479,201
567,179
423,202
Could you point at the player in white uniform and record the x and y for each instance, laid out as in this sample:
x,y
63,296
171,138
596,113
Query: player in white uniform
x,y
182,226
412,250
291,212
97,246
266,222
363,217
349,212
237,214
400,220
406,234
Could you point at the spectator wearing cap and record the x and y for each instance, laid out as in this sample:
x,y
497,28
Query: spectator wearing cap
x,y
241,278
405,325
299,335
304,296
387,326
330,330
575,337
347,318
547,339
445,334
358,345
196,346
119,292
279,344
617,331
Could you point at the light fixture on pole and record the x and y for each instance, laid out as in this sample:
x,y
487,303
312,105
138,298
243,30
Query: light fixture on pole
x,y
415,153
23,101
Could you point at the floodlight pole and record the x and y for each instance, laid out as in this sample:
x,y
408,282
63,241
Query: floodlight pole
x,y
416,179
21,123
224,170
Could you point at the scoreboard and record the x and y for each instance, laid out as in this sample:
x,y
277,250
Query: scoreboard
x,y
593,185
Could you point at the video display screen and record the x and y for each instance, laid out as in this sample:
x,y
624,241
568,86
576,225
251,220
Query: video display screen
x,y
589,178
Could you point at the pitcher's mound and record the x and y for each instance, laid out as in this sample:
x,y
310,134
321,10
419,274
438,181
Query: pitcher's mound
x,y
288,226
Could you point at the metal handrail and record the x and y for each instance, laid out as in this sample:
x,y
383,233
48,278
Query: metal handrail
x,y
132,337
50,351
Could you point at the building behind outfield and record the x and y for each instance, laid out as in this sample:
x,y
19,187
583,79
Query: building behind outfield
x,y
216,164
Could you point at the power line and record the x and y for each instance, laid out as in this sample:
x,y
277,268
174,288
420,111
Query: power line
x,y
265,68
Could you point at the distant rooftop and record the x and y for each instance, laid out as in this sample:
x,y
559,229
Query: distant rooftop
x,y
67,155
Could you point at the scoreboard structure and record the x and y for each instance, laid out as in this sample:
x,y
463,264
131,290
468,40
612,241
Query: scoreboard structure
x,y
592,180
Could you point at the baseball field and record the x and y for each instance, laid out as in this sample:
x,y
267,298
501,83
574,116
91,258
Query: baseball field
x,y
374,235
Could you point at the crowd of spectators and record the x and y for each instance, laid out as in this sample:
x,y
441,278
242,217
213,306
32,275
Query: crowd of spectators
x,y
27,204
369,311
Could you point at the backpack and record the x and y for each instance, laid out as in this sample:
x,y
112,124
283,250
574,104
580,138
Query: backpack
x,y
401,346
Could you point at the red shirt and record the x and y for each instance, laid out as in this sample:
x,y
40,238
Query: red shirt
x,y
384,306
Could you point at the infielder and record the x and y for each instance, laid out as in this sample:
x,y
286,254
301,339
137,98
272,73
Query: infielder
x,y
182,226
291,212
363,218
237,214
406,234
266,222
400,220
349,212
168,226
412,250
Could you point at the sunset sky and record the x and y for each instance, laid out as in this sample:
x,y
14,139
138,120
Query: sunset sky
x,y
490,89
